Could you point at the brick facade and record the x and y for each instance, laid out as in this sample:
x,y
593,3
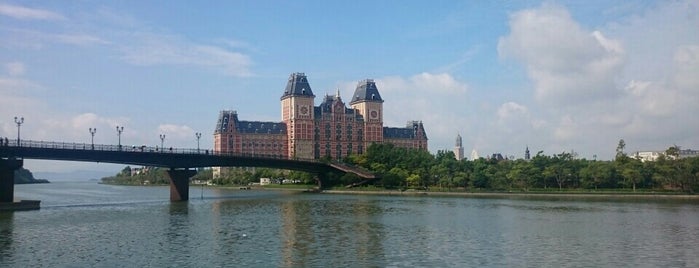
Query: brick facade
x,y
307,131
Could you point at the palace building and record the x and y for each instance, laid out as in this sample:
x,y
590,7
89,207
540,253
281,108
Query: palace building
x,y
306,131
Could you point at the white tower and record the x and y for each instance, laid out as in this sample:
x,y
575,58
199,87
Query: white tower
x,y
458,149
474,155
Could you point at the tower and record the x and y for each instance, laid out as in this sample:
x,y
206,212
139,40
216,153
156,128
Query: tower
x,y
474,155
297,114
527,156
367,101
458,149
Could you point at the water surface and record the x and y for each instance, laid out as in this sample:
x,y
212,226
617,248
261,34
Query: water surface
x,y
84,224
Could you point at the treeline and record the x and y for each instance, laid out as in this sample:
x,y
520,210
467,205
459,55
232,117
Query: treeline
x,y
24,176
247,175
406,168
230,176
148,176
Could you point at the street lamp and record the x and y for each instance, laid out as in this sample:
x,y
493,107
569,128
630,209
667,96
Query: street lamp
x,y
119,131
19,122
92,132
198,134
162,142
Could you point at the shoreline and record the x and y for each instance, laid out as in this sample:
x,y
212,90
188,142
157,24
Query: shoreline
x,y
554,195
611,196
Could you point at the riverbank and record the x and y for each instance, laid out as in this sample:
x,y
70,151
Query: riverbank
x,y
528,195
561,195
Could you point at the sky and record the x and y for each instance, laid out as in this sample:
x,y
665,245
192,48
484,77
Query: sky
x,y
556,76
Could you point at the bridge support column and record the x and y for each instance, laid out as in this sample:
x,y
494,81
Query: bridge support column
x,y
179,183
7,179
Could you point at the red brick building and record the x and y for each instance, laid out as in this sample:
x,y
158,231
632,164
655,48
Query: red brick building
x,y
307,131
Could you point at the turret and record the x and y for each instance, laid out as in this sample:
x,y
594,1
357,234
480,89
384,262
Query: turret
x,y
297,112
369,104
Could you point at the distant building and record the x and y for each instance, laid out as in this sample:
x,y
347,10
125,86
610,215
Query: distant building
x,y
307,131
527,156
647,155
654,155
497,157
474,155
688,153
458,149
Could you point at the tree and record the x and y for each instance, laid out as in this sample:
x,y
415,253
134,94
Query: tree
x,y
620,149
125,172
632,173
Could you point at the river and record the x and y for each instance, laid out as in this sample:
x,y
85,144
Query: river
x,y
85,224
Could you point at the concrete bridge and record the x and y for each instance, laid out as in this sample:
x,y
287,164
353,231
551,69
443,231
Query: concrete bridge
x,y
181,162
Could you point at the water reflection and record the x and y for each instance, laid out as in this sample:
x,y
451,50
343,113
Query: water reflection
x,y
348,230
6,235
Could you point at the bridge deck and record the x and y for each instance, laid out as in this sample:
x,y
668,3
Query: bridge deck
x,y
169,157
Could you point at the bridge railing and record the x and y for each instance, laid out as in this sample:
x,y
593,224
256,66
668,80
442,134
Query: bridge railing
x,y
133,148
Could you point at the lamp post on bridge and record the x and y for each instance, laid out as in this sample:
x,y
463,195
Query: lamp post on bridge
x,y
19,122
162,142
92,140
198,135
119,131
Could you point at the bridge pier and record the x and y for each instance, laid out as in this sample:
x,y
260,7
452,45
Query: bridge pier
x,y
179,183
7,178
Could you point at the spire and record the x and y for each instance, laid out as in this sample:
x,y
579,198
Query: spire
x,y
337,95
527,156
297,85
366,91
458,140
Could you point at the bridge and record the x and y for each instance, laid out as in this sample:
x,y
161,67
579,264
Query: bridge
x,y
180,161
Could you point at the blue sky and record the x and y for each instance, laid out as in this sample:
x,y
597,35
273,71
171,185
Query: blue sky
x,y
554,75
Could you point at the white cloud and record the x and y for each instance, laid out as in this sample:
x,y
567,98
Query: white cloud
x,y
25,13
78,39
567,63
635,78
33,39
512,109
566,130
156,49
686,61
178,132
15,68
435,99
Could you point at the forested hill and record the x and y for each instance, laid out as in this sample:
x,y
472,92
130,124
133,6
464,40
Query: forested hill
x,y
24,176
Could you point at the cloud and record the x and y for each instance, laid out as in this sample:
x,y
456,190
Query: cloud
x,y
686,61
180,132
33,39
633,78
157,49
24,13
512,109
78,39
435,99
15,68
567,63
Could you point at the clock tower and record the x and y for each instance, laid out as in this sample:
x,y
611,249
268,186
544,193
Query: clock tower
x,y
297,113
368,102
